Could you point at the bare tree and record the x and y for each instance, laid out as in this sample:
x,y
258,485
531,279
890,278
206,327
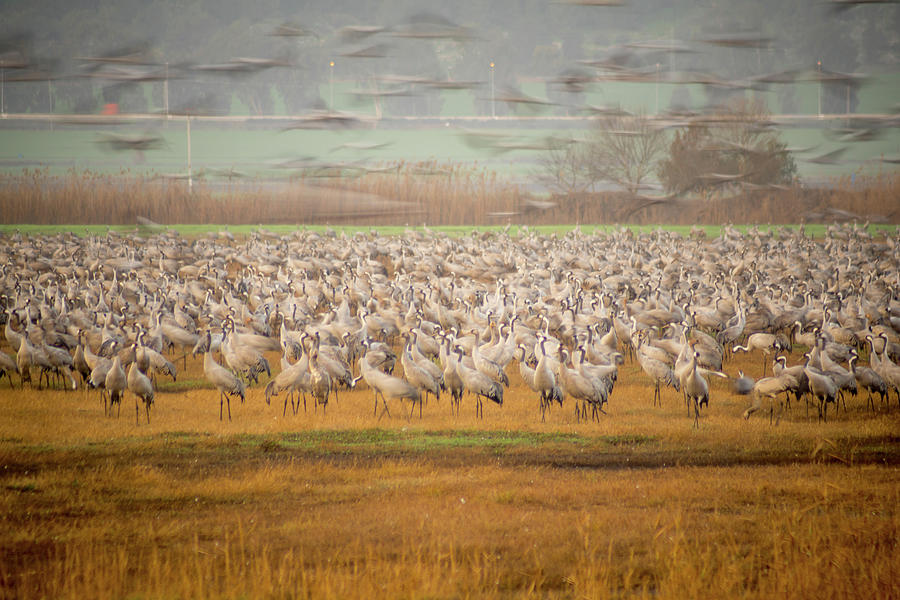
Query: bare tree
x,y
565,167
626,150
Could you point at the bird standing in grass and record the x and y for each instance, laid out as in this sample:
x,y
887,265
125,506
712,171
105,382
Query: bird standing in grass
x,y
142,388
223,379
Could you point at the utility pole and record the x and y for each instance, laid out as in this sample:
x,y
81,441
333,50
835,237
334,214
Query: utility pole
x,y
819,78
493,113
657,89
331,84
166,91
190,176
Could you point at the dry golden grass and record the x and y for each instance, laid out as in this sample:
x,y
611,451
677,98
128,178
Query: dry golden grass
x,y
407,193
413,193
341,505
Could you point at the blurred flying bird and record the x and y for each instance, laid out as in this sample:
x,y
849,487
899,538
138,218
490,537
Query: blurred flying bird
x,y
828,158
591,2
355,33
242,65
288,29
739,40
361,145
323,119
573,80
134,54
377,93
379,50
514,97
137,144
431,26
839,6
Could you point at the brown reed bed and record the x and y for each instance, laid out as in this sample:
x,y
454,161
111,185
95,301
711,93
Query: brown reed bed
x,y
414,193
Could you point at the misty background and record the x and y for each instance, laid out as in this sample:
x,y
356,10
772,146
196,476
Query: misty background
x,y
274,57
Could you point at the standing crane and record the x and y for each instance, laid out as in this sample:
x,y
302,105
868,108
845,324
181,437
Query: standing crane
x,y
388,386
142,388
224,380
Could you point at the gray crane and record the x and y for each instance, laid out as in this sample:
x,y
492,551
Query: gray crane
x,y
657,370
8,366
115,384
224,380
696,388
450,380
769,387
142,388
869,380
292,378
480,385
823,389
417,375
319,380
767,342
387,386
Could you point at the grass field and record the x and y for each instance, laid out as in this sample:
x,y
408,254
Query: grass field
x,y
340,504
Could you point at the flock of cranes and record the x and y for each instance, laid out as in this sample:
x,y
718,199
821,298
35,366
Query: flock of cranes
x,y
425,314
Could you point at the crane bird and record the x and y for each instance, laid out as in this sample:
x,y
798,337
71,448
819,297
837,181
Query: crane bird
x,y
477,383
545,380
528,375
657,370
743,385
450,380
823,389
769,387
142,388
116,384
242,357
887,368
696,388
767,342
8,366
319,380
868,379
224,380
488,367
388,386
416,374
292,378
584,390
